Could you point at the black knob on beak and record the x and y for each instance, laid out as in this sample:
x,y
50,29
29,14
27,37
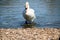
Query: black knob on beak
x,y
25,8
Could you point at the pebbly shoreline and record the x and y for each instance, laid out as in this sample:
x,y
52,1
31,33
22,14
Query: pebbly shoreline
x,y
30,34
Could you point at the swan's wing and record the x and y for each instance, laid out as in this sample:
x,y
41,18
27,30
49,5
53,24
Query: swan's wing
x,y
31,13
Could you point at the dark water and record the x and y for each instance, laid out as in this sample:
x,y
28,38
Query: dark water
x,y
47,13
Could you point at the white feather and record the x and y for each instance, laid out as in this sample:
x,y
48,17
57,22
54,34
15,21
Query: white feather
x,y
28,14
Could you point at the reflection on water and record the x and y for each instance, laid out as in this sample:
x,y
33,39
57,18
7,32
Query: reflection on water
x,y
47,13
29,25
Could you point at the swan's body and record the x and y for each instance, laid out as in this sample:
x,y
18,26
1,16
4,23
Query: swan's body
x,y
28,13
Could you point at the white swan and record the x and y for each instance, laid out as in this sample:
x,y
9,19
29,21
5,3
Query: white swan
x,y
28,13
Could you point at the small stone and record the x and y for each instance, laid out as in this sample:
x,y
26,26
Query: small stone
x,y
7,32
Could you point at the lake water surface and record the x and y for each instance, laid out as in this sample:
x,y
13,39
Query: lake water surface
x,y
47,13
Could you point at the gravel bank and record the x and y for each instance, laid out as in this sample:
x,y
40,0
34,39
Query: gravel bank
x,y
30,34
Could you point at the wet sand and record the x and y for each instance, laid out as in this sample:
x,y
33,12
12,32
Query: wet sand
x,y
30,34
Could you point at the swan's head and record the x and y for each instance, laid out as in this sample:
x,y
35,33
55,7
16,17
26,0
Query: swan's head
x,y
27,5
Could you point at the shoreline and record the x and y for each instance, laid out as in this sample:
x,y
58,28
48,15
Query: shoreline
x,y
30,34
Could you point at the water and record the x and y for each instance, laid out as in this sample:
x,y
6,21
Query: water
x,y
47,13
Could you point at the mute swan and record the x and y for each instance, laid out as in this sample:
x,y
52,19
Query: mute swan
x,y
28,14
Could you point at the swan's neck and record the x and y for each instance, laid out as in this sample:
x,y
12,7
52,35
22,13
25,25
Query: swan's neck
x,y
27,9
